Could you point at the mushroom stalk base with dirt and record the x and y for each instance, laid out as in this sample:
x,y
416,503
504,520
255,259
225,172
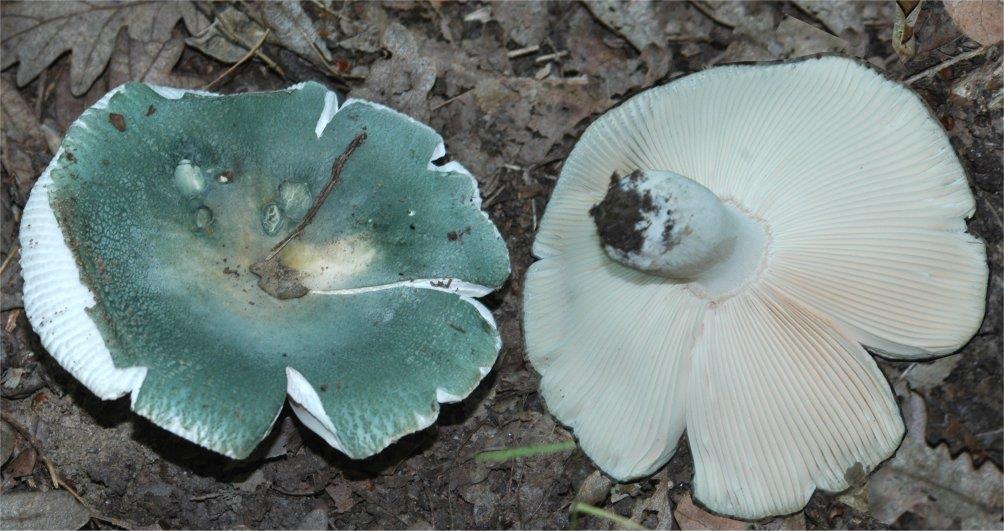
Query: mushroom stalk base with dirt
x,y
663,223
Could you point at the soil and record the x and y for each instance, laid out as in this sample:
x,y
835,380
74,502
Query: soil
x,y
511,117
618,214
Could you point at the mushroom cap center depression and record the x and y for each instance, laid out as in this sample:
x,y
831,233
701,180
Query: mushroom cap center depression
x,y
663,223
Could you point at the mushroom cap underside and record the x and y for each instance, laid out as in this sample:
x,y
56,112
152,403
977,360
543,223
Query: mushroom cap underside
x,y
864,203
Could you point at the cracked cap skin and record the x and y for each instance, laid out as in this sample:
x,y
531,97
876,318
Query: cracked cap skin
x,y
138,238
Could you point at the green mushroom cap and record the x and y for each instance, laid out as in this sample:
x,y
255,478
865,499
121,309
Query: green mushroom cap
x,y
141,240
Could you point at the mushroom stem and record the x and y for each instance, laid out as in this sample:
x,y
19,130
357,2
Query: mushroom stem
x,y
663,223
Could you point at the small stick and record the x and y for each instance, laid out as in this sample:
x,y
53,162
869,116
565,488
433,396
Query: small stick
x,y
523,51
229,32
449,101
247,56
941,66
336,172
550,57
10,258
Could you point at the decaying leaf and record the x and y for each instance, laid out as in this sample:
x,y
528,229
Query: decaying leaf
x,y
926,375
657,505
6,442
404,80
641,23
149,62
837,15
944,492
54,509
22,465
981,20
235,31
964,408
341,495
362,27
904,40
36,33
594,489
690,516
525,23
292,28
799,39
21,137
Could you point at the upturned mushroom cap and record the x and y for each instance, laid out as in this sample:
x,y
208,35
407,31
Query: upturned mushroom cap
x,y
851,207
138,240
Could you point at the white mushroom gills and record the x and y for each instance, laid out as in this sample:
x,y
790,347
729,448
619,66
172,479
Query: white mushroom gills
x,y
663,223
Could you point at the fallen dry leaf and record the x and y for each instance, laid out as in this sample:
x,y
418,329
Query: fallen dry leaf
x,y
22,465
690,516
292,29
6,442
928,482
594,489
54,509
798,39
837,15
924,376
341,495
148,62
641,23
37,33
22,144
981,20
904,40
404,80
234,31
658,504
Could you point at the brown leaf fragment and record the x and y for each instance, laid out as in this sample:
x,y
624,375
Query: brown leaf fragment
x,y
118,121
941,491
278,280
315,519
22,465
342,497
148,62
904,40
53,509
837,16
18,114
405,79
640,23
594,489
980,20
235,31
6,442
690,516
798,39
37,33
657,505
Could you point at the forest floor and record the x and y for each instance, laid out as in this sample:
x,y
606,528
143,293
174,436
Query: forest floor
x,y
510,86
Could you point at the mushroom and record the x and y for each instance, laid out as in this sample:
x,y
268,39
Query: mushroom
x,y
140,238
717,253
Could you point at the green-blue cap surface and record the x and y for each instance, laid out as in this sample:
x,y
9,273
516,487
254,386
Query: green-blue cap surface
x,y
166,203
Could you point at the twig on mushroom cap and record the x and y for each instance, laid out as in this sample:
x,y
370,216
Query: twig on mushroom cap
x,y
336,172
